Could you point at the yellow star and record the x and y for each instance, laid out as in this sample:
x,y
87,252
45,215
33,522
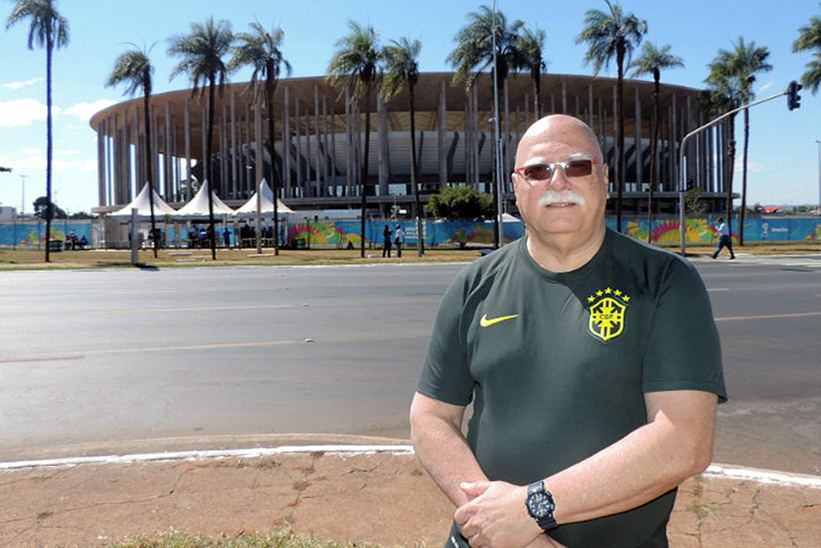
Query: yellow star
x,y
591,298
599,293
608,291
618,292
626,299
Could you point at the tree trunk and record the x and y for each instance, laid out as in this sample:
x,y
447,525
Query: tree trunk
x,y
207,167
620,141
744,178
149,177
420,240
49,139
537,91
364,174
270,89
653,145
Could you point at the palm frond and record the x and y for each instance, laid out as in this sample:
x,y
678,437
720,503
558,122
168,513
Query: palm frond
x,y
44,21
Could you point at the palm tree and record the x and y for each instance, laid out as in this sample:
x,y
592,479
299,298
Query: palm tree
x,y
719,98
652,61
49,29
355,66
134,69
202,52
608,35
402,70
474,53
531,48
261,50
809,39
737,69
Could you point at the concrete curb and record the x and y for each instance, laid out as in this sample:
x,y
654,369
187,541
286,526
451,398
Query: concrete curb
x,y
715,470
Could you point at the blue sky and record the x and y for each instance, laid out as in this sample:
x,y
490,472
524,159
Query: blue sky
x,y
783,153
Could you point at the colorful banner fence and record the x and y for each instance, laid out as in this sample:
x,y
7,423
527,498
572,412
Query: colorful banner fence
x,y
341,234
32,234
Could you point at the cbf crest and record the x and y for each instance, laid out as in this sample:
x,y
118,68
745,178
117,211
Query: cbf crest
x,y
608,310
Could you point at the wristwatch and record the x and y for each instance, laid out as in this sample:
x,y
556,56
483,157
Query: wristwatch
x,y
540,506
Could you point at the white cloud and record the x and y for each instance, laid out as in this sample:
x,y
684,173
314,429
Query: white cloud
x,y
31,162
18,85
85,111
23,112
752,167
766,86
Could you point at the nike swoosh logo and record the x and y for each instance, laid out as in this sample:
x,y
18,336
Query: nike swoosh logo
x,y
485,322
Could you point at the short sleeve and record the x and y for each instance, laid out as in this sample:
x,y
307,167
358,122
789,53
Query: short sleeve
x,y
446,369
683,352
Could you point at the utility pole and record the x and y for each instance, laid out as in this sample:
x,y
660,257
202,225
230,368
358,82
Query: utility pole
x,y
23,199
817,142
499,239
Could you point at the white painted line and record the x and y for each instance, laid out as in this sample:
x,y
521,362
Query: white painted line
x,y
214,454
139,350
768,316
763,476
715,470
718,289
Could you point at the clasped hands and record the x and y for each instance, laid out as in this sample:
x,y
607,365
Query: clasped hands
x,y
496,517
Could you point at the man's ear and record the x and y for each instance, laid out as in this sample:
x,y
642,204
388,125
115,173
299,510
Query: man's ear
x,y
606,169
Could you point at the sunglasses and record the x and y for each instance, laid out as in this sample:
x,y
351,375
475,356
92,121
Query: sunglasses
x,y
573,169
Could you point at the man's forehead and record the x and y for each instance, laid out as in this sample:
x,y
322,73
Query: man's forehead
x,y
558,135
547,156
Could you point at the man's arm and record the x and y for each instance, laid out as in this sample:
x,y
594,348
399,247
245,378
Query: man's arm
x,y
436,432
675,444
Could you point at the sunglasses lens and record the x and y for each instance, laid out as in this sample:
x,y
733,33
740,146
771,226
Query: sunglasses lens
x,y
538,172
579,168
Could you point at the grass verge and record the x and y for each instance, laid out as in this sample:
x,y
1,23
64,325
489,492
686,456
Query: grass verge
x,y
277,539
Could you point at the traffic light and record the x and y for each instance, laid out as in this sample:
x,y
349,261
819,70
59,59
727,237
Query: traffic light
x,y
793,99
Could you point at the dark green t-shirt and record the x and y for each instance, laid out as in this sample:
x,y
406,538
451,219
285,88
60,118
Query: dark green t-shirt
x,y
557,364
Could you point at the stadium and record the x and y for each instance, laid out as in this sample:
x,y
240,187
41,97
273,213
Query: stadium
x,y
319,141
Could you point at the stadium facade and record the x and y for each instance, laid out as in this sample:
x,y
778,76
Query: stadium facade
x,y
319,141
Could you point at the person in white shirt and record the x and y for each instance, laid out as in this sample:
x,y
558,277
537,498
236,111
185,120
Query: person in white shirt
x,y
399,239
725,240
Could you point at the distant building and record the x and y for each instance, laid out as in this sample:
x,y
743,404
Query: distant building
x,y
7,213
319,141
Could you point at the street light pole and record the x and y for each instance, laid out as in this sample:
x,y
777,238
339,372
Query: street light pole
x,y
682,183
817,142
23,199
498,139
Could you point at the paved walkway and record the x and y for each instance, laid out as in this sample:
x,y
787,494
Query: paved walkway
x,y
383,498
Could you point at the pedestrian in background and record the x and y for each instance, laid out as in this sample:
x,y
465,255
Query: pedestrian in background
x,y
725,239
399,239
386,241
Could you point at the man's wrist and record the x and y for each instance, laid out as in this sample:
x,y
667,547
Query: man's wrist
x,y
540,505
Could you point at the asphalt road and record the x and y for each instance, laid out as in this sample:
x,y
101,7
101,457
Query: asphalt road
x,y
112,356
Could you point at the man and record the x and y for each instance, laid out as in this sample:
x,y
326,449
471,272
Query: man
x,y
592,361
386,242
399,239
724,240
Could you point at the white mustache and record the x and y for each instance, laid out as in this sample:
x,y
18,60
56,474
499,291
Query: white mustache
x,y
566,196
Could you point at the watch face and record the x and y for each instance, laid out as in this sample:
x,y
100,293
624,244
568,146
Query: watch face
x,y
539,505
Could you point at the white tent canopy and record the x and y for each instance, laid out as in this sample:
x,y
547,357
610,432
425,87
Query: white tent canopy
x,y
197,208
142,203
267,195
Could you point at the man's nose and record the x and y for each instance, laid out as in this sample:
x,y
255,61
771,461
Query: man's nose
x,y
559,179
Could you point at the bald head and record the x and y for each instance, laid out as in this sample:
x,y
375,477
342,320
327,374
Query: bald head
x,y
558,129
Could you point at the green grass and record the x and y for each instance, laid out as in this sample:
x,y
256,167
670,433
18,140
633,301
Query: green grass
x,y
278,539
171,258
